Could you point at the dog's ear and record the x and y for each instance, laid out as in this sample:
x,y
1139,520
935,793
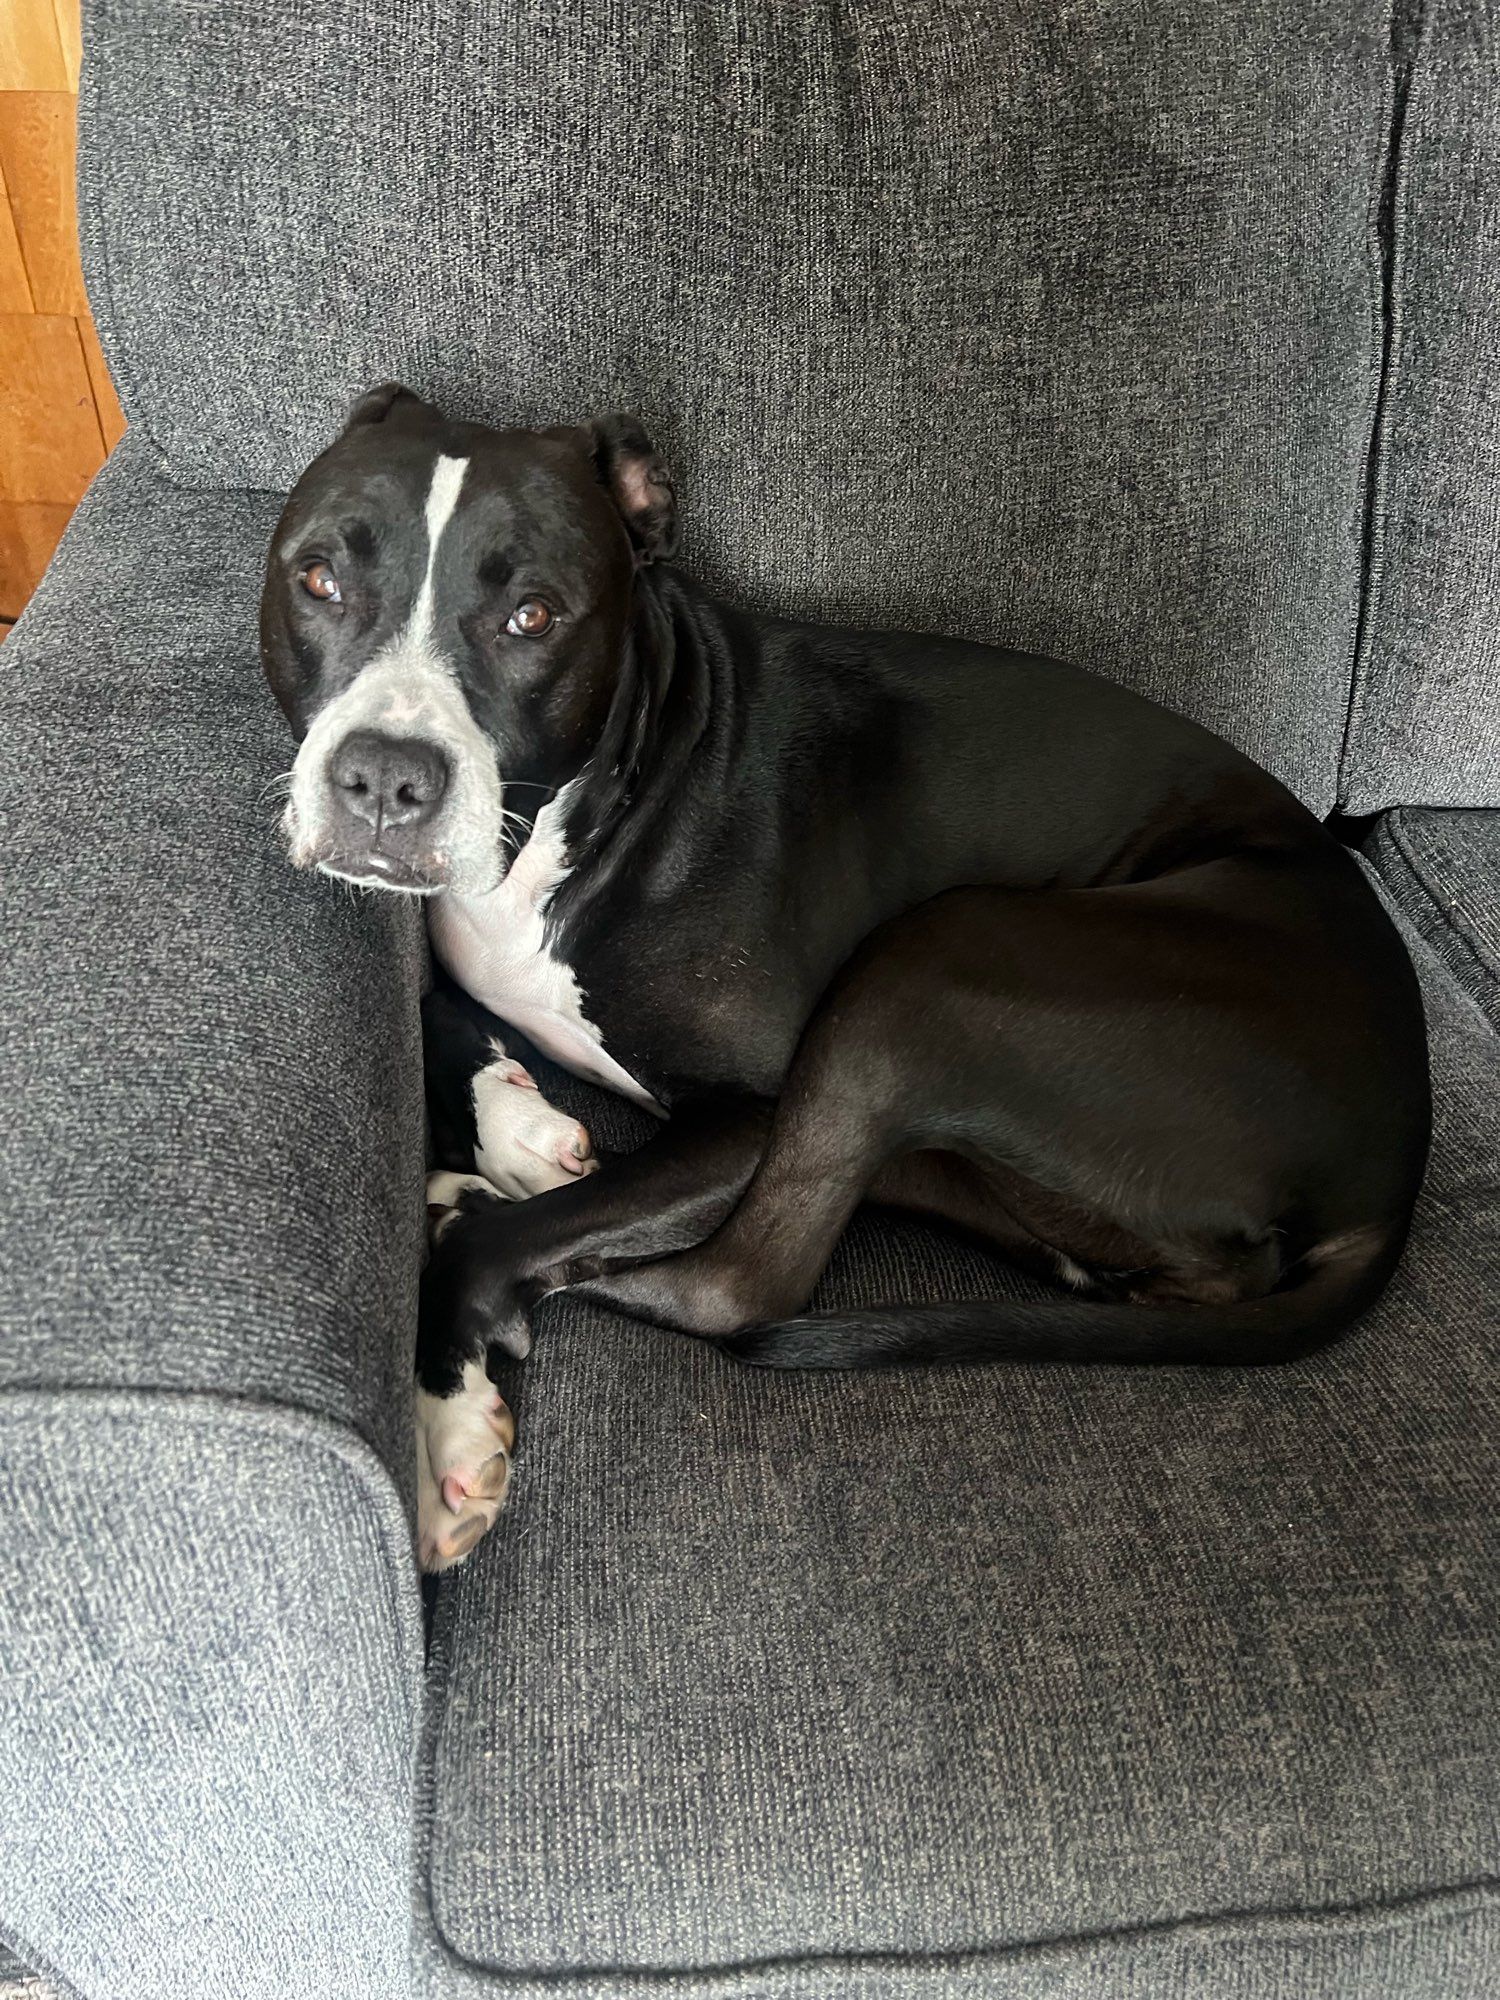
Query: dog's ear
x,y
375,405
638,481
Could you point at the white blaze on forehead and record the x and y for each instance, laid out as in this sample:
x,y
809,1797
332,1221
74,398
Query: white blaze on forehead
x,y
442,498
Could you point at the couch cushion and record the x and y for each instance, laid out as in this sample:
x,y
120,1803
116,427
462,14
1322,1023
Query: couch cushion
x,y
1424,727
1442,869
210,1677
1057,325
870,1685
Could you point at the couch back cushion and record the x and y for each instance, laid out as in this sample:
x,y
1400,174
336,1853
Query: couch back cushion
x,y
1425,722
1056,325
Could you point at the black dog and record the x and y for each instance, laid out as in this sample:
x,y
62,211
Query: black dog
x,y
961,929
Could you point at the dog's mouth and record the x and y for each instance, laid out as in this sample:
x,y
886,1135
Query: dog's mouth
x,y
373,868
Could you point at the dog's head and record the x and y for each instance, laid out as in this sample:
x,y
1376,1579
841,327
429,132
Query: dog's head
x,y
445,611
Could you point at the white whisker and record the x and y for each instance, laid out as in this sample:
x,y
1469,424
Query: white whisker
x,y
279,787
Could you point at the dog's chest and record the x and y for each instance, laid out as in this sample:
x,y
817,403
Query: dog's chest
x,y
496,947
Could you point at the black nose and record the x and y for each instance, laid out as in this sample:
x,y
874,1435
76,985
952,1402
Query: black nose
x,y
388,780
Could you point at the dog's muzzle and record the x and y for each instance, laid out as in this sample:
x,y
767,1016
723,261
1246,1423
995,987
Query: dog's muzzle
x,y
383,796
395,786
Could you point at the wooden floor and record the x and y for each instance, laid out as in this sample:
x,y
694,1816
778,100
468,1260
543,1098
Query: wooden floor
x,y
58,413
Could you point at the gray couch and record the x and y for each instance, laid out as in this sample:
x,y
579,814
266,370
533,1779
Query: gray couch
x,y
1159,336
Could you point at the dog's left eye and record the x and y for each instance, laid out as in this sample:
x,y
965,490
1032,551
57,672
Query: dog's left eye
x,y
531,619
319,581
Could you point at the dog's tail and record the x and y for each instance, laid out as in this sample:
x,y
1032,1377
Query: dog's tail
x,y
1336,1282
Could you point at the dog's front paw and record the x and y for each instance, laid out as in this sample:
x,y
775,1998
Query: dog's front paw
x,y
464,1443
523,1145
471,1300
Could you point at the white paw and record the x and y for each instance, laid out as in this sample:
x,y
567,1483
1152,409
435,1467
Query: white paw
x,y
463,1467
443,1193
522,1145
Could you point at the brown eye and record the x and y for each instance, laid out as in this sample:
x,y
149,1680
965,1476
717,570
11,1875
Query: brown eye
x,y
318,580
531,619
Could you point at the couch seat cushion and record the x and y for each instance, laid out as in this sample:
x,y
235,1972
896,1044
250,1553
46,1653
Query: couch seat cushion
x,y
846,1684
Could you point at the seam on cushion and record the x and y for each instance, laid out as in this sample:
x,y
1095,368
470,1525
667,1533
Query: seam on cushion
x,y
736,1980
1450,889
1452,1904
1424,878
1445,889
1389,241
1422,951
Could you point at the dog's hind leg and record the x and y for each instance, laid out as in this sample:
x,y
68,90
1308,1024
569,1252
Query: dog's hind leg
x,y
1110,1060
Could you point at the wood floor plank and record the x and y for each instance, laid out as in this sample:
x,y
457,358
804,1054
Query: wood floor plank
x,y
15,290
36,158
50,441
58,409
31,55
70,37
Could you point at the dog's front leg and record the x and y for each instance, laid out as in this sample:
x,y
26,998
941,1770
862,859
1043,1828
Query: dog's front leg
x,y
523,1146
492,1260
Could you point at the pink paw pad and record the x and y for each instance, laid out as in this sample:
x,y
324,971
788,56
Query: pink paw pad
x,y
487,1483
575,1152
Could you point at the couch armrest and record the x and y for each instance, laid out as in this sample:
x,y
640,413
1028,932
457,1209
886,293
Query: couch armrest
x,y
210,1182
1442,868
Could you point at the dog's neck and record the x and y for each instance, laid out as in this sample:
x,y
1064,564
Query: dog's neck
x,y
671,712
670,722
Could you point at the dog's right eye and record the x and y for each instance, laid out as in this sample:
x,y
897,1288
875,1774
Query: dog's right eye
x,y
319,581
531,619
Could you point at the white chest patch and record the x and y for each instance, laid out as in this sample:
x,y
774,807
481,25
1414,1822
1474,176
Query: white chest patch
x,y
495,946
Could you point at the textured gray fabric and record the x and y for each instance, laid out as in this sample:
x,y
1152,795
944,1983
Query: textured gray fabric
x,y
1425,721
208,1691
1058,325
18,1981
762,1668
1442,869
210,1179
